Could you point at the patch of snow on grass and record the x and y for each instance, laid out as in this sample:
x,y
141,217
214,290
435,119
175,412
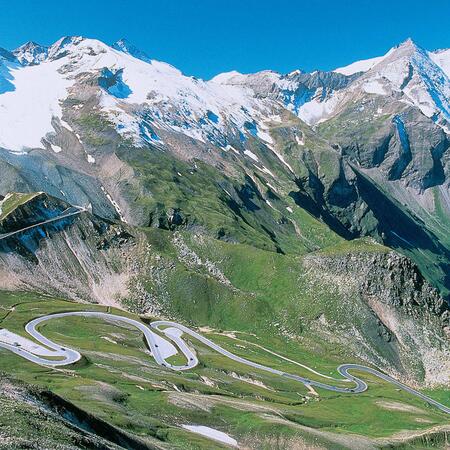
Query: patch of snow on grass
x,y
66,125
266,170
230,147
115,204
265,136
281,158
226,192
211,433
299,140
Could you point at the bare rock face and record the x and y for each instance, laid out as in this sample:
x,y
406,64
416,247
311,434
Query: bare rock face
x,y
396,280
401,317
405,146
82,257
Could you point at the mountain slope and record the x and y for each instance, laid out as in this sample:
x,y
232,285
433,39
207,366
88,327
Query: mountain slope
x,y
265,210
87,258
87,122
317,311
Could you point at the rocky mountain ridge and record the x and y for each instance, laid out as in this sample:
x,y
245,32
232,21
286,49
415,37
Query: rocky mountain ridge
x,y
266,144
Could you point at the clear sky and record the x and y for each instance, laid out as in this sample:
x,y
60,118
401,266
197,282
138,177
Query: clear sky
x,y
205,37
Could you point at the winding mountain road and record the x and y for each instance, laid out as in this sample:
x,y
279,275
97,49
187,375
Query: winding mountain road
x,y
161,348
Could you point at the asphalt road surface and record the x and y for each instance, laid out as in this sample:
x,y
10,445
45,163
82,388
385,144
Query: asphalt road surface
x,y
162,347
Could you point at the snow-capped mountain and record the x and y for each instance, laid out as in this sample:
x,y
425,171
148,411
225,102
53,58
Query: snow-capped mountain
x,y
31,53
141,96
418,76
410,73
294,90
166,97
440,57
79,120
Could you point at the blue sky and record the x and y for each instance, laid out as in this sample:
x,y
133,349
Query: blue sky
x,y
203,38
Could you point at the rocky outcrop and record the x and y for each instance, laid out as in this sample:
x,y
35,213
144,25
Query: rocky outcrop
x,y
393,279
391,315
82,257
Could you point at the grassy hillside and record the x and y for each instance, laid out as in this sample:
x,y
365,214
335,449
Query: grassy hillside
x,y
260,305
276,309
118,381
175,194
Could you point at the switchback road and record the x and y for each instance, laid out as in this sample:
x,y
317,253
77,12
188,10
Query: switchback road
x,y
49,353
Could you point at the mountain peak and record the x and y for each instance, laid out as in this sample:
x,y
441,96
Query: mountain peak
x,y
403,54
60,48
125,46
407,49
67,40
29,45
413,71
408,43
30,53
